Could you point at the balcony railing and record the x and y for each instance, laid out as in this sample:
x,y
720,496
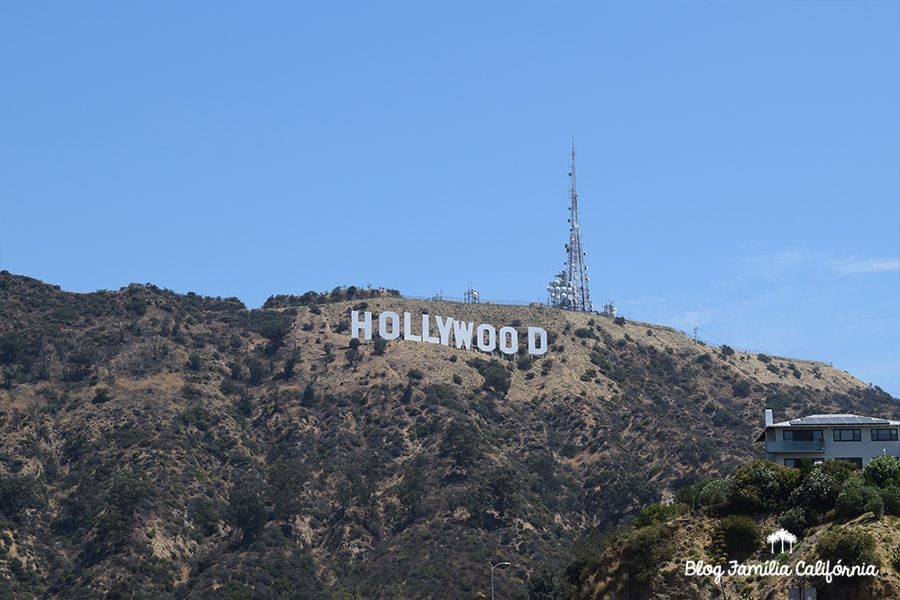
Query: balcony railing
x,y
786,447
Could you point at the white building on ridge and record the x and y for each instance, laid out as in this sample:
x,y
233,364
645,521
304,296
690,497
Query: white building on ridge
x,y
852,438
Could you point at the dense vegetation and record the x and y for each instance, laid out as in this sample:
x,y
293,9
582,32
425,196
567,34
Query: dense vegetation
x,y
817,502
155,445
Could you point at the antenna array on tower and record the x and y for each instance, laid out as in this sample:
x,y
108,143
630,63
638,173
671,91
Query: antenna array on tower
x,y
569,290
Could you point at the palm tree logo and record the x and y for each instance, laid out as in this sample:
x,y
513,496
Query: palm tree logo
x,y
782,535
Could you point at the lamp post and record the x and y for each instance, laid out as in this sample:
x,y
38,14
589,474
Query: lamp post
x,y
493,566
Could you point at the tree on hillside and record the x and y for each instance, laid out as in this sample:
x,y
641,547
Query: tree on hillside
x,y
462,443
286,479
763,486
246,511
414,486
272,325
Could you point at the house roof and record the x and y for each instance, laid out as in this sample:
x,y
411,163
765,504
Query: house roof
x,y
834,421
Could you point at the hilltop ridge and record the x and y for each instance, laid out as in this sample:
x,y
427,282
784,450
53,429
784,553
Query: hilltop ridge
x,y
182,446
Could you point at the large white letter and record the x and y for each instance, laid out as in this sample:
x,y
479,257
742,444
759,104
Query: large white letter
x,y
492,337
407,331
533,334
356,325
383,319
462,333
444,329
510,334
425,337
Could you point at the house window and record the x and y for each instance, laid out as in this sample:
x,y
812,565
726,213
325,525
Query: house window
x,y
847,435
802,435
884,435
855,461
792,462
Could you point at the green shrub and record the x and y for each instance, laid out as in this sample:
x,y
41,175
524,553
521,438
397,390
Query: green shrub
x,y
289,365
496,376
205,516
653,514
779,401
856,497
891,496
820,489
850,546
257,371
763,486
17,493
881,469
272,325
740,389
708,491
462,442
247,512
101,396
286,479
738,535
794,520
544,586
895,558
645,551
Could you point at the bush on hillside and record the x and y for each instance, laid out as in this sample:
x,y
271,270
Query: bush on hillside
x,y
856,497
18,492
496,376
794,520
818,493
763,486
707,492
849,546
247,512
741,389
645,551
736,536
653,514
881,470
891,496
272,325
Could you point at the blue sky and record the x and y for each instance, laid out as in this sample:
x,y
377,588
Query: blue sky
x,y
738,162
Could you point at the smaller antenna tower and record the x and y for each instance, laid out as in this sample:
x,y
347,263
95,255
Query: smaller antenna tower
x,y
569,289
472,296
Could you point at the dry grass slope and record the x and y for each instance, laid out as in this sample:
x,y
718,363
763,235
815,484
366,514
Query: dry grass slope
x,y
178,446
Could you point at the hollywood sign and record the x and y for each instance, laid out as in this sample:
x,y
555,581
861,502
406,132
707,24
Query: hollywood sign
x,y
485,337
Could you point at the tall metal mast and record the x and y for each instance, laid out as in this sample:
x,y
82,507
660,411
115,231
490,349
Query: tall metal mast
x,y
570,290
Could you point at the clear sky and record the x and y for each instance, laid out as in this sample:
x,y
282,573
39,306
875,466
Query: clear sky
x,y
738,162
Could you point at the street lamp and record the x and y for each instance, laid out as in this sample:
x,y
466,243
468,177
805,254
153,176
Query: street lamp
x,y
493,566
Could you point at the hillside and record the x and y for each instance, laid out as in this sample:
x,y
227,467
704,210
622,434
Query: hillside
x,y
755,534
164,445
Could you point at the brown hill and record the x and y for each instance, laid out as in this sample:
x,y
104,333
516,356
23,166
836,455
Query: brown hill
x,y
164,445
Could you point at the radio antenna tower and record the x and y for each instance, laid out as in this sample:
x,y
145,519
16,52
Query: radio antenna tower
x,y
569,290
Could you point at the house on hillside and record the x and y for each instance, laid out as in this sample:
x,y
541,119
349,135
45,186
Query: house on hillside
x,y
853,438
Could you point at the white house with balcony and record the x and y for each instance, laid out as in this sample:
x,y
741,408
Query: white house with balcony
x,y
852,438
